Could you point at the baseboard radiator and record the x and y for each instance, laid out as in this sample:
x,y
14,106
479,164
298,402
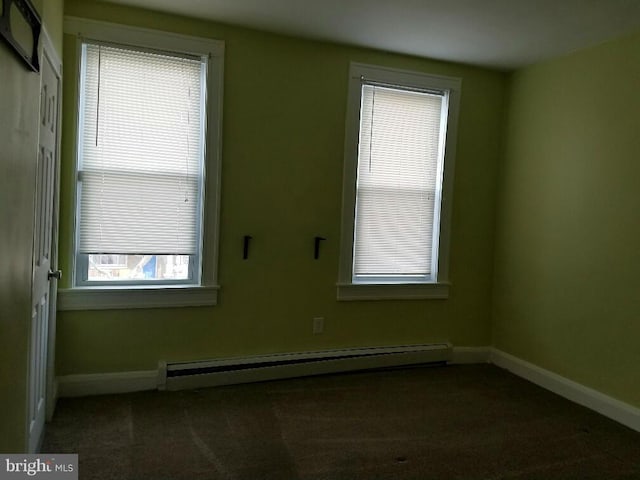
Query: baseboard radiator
x,y
185,375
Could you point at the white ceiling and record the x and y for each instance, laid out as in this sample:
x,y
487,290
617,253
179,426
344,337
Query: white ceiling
x,y
504,34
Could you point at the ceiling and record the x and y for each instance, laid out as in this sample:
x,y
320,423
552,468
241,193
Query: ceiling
x,y
503,34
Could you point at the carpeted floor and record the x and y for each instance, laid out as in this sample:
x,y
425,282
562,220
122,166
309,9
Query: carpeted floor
x,y
455,422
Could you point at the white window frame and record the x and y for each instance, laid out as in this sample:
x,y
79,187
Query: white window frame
x,y
437,287
82,297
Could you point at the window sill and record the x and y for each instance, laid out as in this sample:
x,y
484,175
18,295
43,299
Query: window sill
x,y
110,298
405,291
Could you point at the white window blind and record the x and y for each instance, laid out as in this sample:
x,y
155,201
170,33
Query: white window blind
x,y
140,152
400,156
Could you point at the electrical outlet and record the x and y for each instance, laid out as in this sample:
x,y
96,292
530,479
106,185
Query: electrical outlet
x,y
318,325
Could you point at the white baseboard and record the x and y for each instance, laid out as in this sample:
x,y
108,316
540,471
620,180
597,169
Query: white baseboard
x,y
470,355
617,410
106,383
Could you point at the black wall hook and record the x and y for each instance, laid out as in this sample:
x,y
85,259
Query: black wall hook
x,y
316,246
245,246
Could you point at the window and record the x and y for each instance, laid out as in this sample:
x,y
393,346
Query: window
x,y
399,156
148,147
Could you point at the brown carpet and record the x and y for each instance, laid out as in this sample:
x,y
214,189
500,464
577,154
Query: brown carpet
x,y
455,422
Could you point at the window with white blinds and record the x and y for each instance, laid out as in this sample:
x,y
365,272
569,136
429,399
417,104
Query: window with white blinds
x,y
148,147
399,156
140,163
398,188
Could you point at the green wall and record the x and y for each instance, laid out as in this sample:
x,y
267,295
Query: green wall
x,y
567,289
53,15
19,94
284,109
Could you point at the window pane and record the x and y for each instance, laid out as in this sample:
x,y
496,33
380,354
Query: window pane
x,y
398,182
138,267
140,151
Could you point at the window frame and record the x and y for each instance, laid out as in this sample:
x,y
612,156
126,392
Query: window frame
x,y
141,294
437,287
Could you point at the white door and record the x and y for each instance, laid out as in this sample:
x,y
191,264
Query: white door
x,y
44,274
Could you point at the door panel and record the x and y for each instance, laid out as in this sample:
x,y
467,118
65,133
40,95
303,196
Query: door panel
x,y
44,217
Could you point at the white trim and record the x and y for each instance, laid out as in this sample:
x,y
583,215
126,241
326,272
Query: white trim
x,y
101,298
213,170
470,355
400,291
617,410
107,383
320,362
412,80
50,51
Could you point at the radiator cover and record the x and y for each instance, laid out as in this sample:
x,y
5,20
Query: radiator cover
x,y
228,371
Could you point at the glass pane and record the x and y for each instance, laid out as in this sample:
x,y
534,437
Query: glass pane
x,y
141,151
117,267
399,153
